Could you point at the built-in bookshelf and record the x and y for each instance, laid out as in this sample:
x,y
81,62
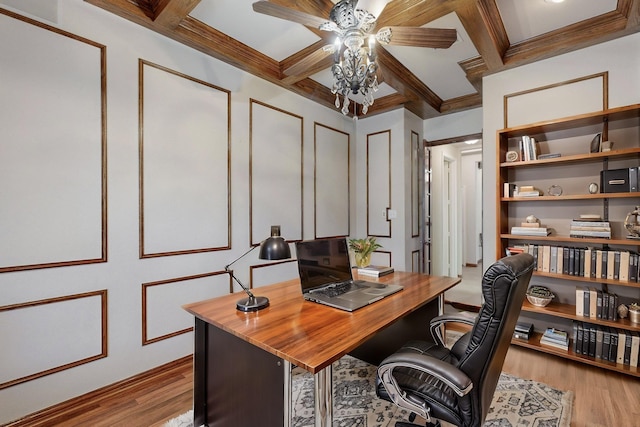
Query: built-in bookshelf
x,y
565,170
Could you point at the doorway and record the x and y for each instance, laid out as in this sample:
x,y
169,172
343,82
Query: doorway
x,y
453,212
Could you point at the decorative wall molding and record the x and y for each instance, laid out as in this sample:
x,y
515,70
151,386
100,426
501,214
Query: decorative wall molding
x,y
41,335
379,183
176,292
184,163
568,98
275,172
416,261
381,258
416,169
63,221
332,177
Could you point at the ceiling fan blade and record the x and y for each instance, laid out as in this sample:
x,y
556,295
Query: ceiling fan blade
x,y
283,12
440,38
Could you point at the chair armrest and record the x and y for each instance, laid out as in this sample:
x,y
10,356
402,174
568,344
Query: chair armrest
x,y
453,377
438,321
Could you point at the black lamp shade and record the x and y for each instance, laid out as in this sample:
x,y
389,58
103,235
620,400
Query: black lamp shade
x,y
274,247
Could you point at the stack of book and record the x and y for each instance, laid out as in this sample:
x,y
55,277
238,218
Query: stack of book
x,y
555,338
526,191
530,229
590,228
375,270
523,331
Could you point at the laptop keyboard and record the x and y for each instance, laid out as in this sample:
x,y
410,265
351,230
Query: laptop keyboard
x,y
338,289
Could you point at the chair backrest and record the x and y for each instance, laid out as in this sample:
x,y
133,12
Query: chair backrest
x,y
504,286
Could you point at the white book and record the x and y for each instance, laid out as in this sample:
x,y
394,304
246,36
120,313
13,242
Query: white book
x,y
611,262
587,262
635,348
579,301
621,346
624,266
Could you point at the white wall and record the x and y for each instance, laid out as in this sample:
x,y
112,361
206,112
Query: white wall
x,y
619,57
124,272
400,123
471,208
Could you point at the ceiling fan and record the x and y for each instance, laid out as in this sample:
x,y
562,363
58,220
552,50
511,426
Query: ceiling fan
x,y
354,68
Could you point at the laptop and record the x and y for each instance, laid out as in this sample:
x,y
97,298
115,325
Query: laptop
x,y
325,276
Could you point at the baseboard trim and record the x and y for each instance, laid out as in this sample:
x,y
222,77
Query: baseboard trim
x,y
56,414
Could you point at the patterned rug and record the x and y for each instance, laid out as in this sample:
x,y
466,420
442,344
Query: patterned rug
x,y
516,402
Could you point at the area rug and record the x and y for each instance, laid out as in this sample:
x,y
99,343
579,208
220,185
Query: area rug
x,y
516,402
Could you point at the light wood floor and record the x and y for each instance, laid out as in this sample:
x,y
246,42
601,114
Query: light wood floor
x,y
602,398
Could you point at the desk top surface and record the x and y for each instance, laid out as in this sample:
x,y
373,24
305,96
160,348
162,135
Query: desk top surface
x,y
312,335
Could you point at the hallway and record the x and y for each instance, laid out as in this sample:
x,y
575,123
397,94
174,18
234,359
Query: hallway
x,y
467,292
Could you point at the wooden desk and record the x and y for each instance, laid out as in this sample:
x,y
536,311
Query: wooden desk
x,y
242,361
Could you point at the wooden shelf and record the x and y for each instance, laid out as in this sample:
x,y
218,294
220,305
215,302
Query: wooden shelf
x,y
575,158
596,196
579,240
534,344
575,132
568,311
586,279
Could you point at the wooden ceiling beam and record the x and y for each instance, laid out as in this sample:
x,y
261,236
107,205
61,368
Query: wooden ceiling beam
x,y
169,13
480,18
581,34
305,63
632,13
395,72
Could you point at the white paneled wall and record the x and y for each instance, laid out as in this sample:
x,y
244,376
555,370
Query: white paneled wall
x,y
126,187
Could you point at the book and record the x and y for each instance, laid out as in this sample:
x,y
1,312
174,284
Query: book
x,y
635,347
509,189
579,301
548,156
555,344
531,231
534,193
555,335
375,270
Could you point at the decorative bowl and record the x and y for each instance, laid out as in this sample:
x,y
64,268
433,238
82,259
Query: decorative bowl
x,y
540,296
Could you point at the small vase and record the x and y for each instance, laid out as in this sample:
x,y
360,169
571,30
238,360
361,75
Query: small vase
x,y
362,260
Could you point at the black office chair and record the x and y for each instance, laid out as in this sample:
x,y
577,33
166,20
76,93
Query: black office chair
x,y
457,385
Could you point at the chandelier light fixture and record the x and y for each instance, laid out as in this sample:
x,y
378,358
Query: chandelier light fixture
x,y
354,69
354,51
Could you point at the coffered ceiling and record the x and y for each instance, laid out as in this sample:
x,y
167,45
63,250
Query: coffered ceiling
x,y
493,35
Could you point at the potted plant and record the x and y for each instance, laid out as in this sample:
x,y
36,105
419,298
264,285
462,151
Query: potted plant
x,y
363,248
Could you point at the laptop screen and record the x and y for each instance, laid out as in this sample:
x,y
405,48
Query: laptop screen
x,y
323,261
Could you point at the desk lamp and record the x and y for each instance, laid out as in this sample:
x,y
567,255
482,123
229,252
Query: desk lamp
x,y
272,248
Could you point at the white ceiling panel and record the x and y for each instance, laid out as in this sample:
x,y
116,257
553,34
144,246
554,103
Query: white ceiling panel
x,y
430,65
524,19
275,37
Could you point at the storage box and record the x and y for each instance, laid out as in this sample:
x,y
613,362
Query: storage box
x,y
619,180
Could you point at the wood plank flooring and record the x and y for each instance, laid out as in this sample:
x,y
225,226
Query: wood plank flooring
x,y
602,398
